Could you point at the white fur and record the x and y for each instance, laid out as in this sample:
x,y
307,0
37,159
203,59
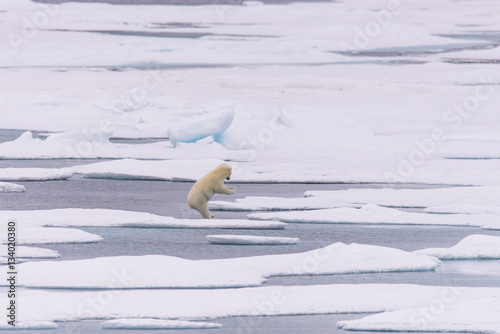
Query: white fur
x,y
203,190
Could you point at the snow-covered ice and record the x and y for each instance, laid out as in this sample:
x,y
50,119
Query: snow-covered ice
x,y
469,150
267,40
471,247
173,170
35,174
251,170
31,325
465,208
202,304
125,272
374,214
95,144
107,217
158,271
275,168
250,240
414,197
265,203
42,235
335,259
27,252
481,145
82,84
145,323
462,315
403,198
11,187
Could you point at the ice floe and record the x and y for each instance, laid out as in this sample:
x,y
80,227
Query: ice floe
x,y
31,325
404,198
202,304
42,235
465,208
334,259
27,252
471,247
158,271
11,187
173,170
183,154
95,144
269,166
486,195
106,217
35,174
123,272
440,315
145,323
250,240
264,203
374,214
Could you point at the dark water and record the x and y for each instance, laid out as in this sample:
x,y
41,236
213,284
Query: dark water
x,y
297,324
9,135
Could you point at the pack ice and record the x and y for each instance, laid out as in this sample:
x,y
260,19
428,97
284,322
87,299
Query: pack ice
x,y
158,271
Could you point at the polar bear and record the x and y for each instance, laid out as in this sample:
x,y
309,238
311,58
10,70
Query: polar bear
x,y
203,190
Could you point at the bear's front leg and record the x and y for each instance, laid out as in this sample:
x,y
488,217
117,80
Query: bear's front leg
x,y
229,190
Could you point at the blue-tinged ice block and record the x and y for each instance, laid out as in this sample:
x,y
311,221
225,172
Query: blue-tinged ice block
x,y
208,124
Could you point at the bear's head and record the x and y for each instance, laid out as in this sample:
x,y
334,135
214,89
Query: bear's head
x,y
224,170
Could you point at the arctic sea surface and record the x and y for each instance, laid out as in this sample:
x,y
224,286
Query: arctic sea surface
x,y
339,104
162,197
165,198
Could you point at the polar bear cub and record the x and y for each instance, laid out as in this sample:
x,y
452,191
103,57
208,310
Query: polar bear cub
x,y
203,190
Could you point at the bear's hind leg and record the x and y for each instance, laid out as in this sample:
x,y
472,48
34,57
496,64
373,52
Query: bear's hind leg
x,y
205,213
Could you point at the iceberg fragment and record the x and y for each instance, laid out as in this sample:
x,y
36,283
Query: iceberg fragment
x,y
211,123
474,315
474,246
11,187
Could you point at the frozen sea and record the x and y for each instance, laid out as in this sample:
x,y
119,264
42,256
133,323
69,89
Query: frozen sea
x,y
166,198
397,86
